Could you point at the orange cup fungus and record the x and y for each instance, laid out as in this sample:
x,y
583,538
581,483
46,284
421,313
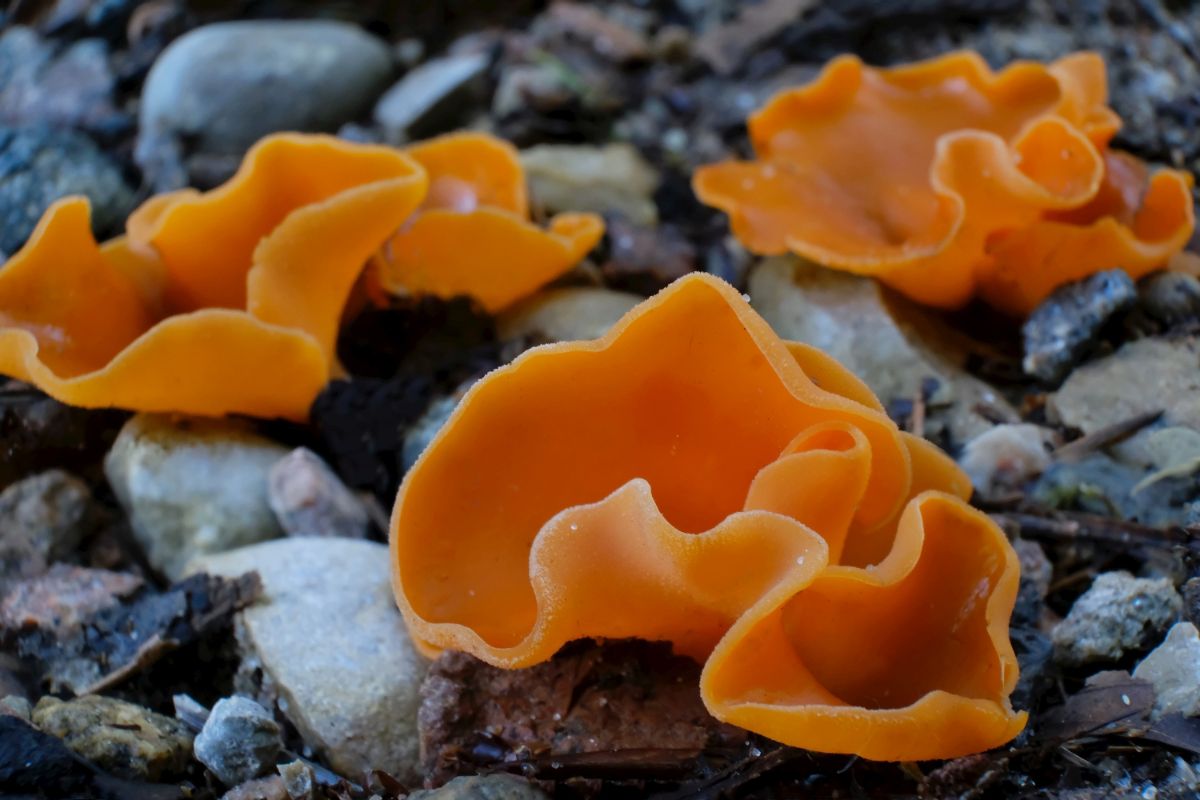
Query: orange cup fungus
x,y
690,477
946,180
472,235
229,301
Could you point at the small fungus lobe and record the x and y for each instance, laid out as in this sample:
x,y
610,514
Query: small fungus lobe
x,y
946,180
692,478
472,235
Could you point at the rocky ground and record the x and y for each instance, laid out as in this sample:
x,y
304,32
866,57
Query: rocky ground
x,y
202,609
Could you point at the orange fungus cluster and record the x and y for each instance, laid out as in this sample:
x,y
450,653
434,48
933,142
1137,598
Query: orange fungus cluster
x,y
947,181
229,301
691,477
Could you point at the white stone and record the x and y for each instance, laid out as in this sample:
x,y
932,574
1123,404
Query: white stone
x,y
1116,614
192,486
1005,457
1174,669
330,641
612,178
558,315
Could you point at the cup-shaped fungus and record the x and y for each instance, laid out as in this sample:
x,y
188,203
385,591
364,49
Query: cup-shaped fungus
x,y
691,477
214,303
946,180
472,235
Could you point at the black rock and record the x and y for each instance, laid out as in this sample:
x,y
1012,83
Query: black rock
x,y
1061,329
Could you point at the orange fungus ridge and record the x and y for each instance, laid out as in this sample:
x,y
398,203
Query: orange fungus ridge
x,y
946,180
690,477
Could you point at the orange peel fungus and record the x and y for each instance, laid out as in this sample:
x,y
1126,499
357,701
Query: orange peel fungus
x,y
472,235
229,301
690,477
946,180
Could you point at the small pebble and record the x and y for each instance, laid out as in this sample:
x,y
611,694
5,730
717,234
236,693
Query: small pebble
x,y
309,499
269,788
1118,613
483,787
298,779
1174,669
429,99
1170,297
1060,330
1005,457
614,178
240,740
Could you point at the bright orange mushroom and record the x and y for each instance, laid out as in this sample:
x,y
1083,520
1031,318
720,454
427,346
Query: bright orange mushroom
x,y
946,180
690,477
215,303
473,236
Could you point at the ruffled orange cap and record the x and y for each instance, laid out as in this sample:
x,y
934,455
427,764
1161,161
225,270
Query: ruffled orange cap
x,y
690,477
473,236
215,303
946,180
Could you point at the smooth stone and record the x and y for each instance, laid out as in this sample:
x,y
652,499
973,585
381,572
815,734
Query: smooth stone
x,y
122,738
429,99
226,85
892,345
1005,457
43,519
1117,613
309,499
192,486
39,165
483,787
1063,326
1170,297
1174,669
568,314
239,741
609,179
328,638
1143,376
422,432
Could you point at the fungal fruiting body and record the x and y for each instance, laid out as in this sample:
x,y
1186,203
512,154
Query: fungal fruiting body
x,y
472,235
690,477
946,180
214,303
229,301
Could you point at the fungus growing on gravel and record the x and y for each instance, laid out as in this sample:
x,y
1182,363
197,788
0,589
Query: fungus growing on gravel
x,y
690,477
946,180
472,235
215,303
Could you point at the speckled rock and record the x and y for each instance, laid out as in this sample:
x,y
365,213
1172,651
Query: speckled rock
x,y
1174,669
224,86
122,738
557,315
332,646
192,486
39,165
239,742
889,343
1061,329
309,499
483,787
1118,613
43,518
608,179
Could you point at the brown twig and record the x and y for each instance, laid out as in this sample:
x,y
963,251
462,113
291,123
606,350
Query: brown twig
x,y
1070,526
1108,435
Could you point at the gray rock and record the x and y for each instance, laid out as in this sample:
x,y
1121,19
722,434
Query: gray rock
x,y
122,738
299,780
483,787
269,788
1005,457
1118,613
1060,330
558,315
892,345
39,165
330,643
309,499
226,85
421,433
1170,297
73,88
43,519
239,742
431,98
192,486
1143,376
1100,484
1174,669
609,179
